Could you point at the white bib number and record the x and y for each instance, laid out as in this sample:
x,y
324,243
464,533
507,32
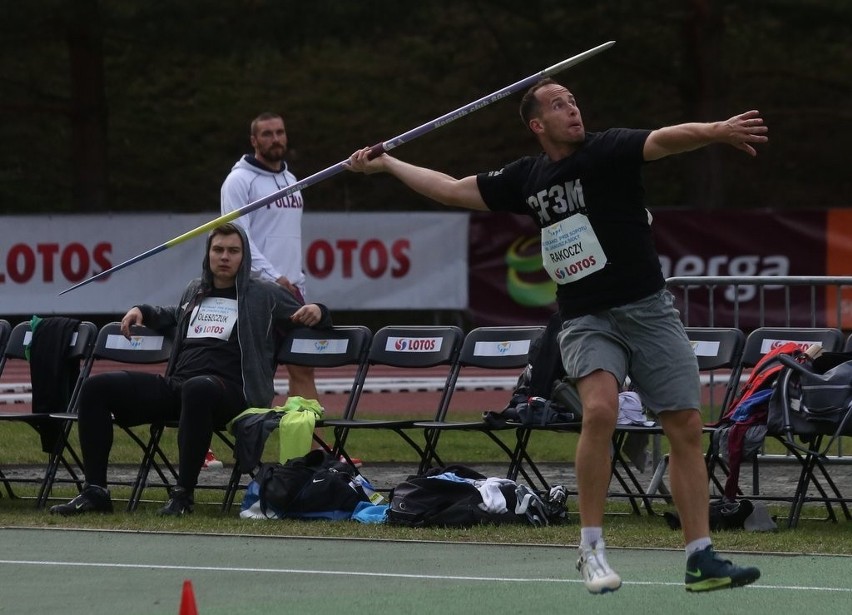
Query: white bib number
x,y
570,249
214,318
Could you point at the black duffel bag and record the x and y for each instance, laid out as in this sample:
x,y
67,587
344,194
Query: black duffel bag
x,y
308,486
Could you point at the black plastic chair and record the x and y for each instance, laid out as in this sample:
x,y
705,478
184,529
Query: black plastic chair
x,y
339,346
406,348
803,427
758,343
718,351
489,348
149,346
78,355
145,347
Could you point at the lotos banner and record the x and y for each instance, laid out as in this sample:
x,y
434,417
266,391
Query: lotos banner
x,y
40,256
399,261
352,261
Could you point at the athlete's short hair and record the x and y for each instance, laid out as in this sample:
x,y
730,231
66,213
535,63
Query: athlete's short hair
x,y
530,107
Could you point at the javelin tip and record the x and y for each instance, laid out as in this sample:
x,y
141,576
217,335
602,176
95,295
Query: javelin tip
x,y
560,66
78,285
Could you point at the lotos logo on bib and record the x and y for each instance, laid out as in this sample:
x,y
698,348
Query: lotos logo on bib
x,y
563,273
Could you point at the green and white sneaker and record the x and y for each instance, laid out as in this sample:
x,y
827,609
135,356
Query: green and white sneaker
x,y
706,571
598,577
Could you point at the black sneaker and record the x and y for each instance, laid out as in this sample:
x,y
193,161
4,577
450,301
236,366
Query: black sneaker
x,y
180,503
706,571
91,499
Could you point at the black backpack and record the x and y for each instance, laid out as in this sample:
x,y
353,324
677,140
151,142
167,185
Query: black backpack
x,y
428,501
813,398
316,485
541,396
723,515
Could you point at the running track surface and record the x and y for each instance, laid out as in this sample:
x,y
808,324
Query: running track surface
x,y
96,572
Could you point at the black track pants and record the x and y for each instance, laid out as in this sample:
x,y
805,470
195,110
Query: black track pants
x,y
201,404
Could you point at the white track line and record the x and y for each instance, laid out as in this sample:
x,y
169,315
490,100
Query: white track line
x,y
282,570
379,574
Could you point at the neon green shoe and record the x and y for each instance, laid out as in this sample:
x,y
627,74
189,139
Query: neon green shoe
x,y
706,571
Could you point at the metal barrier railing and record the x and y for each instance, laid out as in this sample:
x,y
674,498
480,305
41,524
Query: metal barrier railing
x,y
762,301
748,302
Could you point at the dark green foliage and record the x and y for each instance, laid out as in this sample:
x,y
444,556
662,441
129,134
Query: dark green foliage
x,y
129,105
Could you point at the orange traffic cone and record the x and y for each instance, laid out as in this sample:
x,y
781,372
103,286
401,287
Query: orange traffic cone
x,y
187,600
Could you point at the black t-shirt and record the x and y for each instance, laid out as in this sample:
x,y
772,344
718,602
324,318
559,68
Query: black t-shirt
x,y
209,356
602,180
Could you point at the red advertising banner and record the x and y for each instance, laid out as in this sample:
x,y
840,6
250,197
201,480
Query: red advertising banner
x,y
744,243
509,286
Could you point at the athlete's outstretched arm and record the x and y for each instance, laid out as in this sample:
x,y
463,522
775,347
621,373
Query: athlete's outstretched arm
x,y
432,184
740,131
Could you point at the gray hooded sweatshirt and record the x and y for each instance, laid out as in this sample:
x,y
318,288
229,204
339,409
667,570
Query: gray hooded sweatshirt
x,y
263,308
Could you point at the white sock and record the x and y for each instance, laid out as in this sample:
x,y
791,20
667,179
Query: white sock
x,y
590,535
698,545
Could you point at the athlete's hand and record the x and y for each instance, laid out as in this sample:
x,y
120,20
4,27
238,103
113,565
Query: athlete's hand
x,y
744,129
360,162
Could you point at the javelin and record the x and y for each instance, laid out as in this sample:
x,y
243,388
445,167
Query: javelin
x,y
375,151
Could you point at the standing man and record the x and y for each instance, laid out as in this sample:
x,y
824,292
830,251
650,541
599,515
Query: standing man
x,y
274,231
214,373
585,192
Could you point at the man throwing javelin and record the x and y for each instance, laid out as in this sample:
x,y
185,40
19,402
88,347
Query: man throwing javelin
x,y
585,192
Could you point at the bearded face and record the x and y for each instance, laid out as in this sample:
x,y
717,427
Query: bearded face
x,y
270,141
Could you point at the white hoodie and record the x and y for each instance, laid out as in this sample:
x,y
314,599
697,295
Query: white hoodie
x,y
275,230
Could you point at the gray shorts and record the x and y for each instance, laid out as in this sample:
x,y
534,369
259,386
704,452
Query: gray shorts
x,y
645,340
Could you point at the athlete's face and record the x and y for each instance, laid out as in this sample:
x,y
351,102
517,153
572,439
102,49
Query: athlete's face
x,y
559,119
270,141
226,255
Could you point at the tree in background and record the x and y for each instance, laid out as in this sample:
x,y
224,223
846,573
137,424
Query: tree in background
x,y
135,105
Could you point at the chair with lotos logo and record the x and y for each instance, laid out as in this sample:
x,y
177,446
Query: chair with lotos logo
x,y
486,351
411,371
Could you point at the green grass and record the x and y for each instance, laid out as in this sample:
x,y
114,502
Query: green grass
x,y
20,446
622,529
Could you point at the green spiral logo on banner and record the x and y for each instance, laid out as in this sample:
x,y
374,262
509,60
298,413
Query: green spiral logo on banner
x,y
526,281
